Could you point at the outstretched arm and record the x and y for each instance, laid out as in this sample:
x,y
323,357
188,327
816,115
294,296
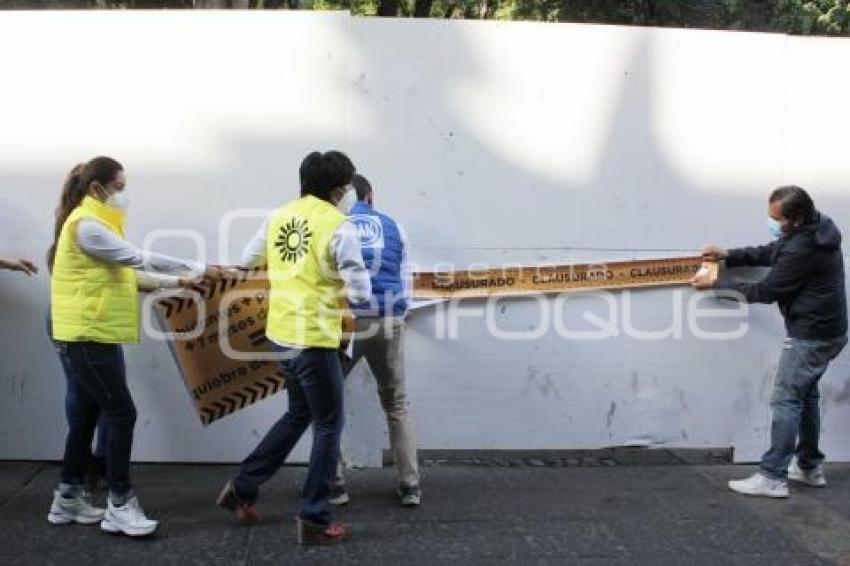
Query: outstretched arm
x,y
753,255
789,273
99,242
22,265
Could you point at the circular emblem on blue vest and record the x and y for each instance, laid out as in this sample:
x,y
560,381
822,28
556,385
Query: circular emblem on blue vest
x,y
370,230
293,239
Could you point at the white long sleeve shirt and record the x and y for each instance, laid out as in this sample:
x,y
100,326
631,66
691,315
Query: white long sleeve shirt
x,y
153,270
345,245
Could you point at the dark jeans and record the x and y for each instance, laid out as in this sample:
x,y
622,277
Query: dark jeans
x,y
98,375
72,399
72,396
315,387
795,424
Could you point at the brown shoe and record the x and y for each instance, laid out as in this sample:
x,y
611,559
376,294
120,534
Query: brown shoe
x,y
247,512
311,533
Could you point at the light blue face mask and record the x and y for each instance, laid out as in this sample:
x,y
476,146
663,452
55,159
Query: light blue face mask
x,y
774,227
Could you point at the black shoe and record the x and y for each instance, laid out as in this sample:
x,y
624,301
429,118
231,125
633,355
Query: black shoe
x,y
409,496
338,495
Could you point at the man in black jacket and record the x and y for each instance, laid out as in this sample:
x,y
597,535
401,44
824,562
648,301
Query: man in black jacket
x,y
806,280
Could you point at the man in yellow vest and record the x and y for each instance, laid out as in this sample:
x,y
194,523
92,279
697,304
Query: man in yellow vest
x,y
314,263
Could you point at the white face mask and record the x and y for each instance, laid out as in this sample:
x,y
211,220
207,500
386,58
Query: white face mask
x,y
348,200
118,200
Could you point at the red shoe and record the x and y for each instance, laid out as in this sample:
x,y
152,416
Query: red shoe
x,y
247,512
311,533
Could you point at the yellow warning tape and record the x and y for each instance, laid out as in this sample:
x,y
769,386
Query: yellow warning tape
x,y
517,280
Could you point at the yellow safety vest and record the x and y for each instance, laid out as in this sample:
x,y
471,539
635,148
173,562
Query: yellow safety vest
x,y
304,305
92,300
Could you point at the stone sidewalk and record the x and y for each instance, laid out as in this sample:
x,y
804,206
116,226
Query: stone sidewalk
x,y
477,511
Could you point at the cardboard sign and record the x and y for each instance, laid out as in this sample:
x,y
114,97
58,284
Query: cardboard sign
x,y
231,309
218,384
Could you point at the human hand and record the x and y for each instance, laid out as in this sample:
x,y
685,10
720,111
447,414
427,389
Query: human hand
x,y
214,271
711,252
187,282
703,279
22,265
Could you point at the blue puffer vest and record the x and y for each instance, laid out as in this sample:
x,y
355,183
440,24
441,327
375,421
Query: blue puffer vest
x,y
383,252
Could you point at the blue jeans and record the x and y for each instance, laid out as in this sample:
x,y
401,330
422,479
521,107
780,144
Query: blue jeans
x,y
72,395
315,388
97,374
795,404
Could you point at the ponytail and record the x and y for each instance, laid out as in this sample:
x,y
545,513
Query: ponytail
x,y
73,192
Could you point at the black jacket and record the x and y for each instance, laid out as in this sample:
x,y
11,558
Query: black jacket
x,y
806,279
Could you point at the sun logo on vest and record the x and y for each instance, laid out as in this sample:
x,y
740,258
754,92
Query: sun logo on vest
x,y
293,240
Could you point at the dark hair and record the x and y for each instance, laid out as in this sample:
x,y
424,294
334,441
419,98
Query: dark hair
x,y
104,170
795,204
362,186
322,172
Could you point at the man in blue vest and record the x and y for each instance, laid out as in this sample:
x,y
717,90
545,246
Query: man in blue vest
x,y
380,336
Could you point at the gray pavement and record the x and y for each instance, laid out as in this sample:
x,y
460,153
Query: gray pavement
x,y
601,510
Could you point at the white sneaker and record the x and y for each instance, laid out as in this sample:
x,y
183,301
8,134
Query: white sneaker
x,y
128,519
760,485
814,477
409,496
76,510
338,495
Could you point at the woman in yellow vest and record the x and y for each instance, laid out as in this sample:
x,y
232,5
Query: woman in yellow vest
x,y
314,261
94,310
